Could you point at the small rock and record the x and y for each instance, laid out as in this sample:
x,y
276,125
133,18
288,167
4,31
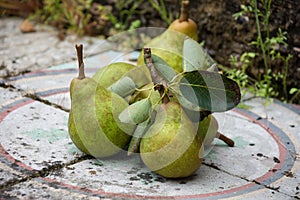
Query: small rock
x,y
27,27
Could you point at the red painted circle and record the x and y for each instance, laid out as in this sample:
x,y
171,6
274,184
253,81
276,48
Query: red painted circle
x,y
269,174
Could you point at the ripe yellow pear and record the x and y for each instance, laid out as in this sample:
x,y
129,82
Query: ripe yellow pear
x,y
185,24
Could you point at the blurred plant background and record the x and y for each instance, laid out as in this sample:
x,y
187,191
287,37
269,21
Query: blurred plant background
x,y
256,42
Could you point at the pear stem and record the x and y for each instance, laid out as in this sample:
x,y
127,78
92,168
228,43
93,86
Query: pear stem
x,y
184,15
79,49
225,139
158,81
162,92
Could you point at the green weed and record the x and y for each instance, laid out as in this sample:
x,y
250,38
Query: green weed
x,y
70,14
160,7
126,9
268,46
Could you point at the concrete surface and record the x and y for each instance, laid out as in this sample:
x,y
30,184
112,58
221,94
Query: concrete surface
x,y
39,161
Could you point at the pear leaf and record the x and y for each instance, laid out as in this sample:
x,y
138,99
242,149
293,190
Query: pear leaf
x,y
188,104
163,68
137,112
138,134
123,87
204,90
139,75
195,58
137,137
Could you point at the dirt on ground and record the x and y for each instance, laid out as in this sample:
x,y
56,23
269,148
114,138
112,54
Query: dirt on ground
x,y
225,36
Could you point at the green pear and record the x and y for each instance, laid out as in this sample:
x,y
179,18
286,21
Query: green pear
x,y
93,122
122,78
145,92
110,74
208,129
171,147
169,47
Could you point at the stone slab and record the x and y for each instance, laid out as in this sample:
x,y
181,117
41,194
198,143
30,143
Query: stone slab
x,y
20,53
9,175
36,189
36,134
7,95
222,163
287,118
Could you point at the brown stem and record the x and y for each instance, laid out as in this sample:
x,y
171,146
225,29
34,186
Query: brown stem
x,y
225,139
156,78
161,89
79,49
184,14
158,81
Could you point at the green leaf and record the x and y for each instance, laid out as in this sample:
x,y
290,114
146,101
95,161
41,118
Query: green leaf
x,y
293,90
137,112
123,87
139,75
163,68
139,132
137,137
203,90
186,103
195,58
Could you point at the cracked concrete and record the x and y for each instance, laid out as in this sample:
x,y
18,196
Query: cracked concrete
x,y
38,159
